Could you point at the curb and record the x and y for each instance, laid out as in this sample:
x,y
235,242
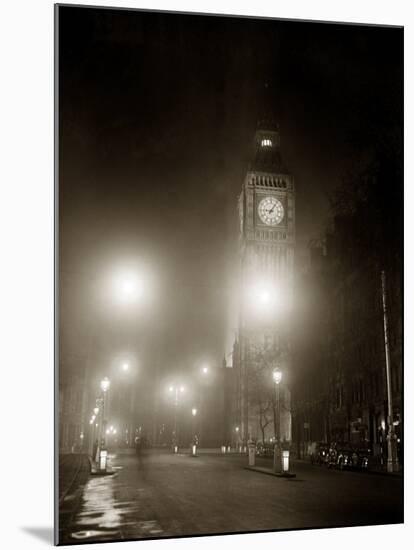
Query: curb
x,y
269,472
95,472
70,486
397,475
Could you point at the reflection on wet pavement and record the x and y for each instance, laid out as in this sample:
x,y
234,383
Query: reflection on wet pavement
x,y
98,510
104,517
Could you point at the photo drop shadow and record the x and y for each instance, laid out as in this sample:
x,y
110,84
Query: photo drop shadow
x,y
43,533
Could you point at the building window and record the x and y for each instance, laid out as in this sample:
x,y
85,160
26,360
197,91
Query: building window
x,y
266,143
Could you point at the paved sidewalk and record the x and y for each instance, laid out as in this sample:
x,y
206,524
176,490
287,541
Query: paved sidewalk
x,y
74,472
70,467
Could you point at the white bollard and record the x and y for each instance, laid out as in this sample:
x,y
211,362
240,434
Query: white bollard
x,y
103,460
252,455
285,461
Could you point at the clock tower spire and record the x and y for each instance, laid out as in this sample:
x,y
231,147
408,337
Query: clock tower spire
x,y
267,241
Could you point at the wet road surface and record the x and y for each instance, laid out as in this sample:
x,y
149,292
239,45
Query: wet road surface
x,y
166,495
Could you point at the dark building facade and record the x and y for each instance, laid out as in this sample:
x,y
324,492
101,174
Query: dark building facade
x,y
340,388
73,429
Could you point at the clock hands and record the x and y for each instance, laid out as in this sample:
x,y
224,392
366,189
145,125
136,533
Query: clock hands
x,y
271,210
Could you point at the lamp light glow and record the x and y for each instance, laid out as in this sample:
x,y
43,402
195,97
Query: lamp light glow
x,y
105,383
277,376
128,287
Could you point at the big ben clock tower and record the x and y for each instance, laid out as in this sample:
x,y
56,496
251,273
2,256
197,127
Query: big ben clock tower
x,y
267,241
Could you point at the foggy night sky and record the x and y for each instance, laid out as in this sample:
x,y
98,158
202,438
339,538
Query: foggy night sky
x,y
157,118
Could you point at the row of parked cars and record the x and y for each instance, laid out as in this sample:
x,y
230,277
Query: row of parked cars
x,y
334,455
341,456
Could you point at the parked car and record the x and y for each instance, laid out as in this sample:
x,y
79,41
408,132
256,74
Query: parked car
x,y
319,454
264,448
348,457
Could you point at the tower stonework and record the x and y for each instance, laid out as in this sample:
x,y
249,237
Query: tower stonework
x,y
266,247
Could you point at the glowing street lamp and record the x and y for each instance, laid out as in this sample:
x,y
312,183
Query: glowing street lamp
x,y
128,288
265,300
277,376
264,297
194,412
204,370
125,367
263,294
105,383
96,411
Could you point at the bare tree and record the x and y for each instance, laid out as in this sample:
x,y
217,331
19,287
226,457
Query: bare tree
x,y
262,395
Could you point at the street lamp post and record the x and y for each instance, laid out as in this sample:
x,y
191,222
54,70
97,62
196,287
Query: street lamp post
x,y
95,415
194,441
176,391
238,445
103,453
95,433
277,465
392,458
92,434
128,406
202,402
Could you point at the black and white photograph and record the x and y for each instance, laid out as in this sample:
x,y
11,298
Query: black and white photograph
x,y
229,266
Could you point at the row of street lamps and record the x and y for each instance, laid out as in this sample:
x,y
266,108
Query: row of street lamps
x,y
98,451
177,390
129,289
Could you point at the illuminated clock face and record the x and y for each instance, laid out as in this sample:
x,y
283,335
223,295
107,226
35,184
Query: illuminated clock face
x,y
271,211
